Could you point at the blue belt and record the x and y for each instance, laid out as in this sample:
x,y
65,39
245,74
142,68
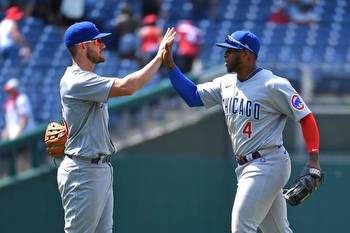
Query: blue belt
x,y
101,158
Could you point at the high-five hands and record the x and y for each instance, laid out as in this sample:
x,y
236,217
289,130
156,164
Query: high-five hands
x,y
168,60
167,40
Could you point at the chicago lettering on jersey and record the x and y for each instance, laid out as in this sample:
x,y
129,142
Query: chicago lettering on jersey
x,y
243,107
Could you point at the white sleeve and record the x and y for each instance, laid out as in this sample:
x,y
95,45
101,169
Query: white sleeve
x,y
286,99
210,93
92,87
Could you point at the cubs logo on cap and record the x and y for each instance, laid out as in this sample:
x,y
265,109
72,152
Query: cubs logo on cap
x,y
297,102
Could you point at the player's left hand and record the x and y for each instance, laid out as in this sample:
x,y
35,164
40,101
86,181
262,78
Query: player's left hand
x,y
309,181
55,138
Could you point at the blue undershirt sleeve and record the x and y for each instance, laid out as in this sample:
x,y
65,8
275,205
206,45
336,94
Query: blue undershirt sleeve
x,y
185,88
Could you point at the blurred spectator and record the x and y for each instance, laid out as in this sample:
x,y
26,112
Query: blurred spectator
x,y
279,15
303,11
126,22
188,44
54,11
150,7
18,111
150,36
12,43
72,11
128,46
126,25
47,10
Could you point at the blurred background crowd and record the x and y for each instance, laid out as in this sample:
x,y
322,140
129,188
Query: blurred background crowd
x,y
305,41
299,38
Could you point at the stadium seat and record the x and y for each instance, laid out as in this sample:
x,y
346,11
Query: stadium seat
x,y
321,44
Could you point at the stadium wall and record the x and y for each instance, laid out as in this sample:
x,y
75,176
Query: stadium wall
x,y
181,182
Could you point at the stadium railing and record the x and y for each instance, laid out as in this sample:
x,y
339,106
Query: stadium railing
x,y
32,142
122,109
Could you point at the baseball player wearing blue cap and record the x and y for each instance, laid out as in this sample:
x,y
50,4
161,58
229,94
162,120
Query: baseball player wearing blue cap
x,y
256,104
85,176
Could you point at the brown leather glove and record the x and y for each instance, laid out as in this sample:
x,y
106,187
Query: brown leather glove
x,y
55,139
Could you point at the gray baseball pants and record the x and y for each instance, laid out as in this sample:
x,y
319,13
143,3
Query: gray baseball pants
x,y
87,196
259,202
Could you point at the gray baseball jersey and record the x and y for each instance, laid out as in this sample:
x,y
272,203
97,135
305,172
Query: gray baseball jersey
x,y
84,98
255,110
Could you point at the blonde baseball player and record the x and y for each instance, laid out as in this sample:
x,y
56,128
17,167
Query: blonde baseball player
x,y
256,104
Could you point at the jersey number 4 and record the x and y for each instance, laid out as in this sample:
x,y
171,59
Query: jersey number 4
x,y
248,129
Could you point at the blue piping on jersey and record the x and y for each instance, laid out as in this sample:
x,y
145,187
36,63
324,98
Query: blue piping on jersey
x,y
185,88
252,74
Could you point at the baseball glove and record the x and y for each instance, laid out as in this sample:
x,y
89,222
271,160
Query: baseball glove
x,y
309,181
55,138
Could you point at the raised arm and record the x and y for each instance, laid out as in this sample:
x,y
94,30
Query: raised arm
x,y
183,86
134,81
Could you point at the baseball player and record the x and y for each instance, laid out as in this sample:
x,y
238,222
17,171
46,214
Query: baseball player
x,y
85,176
256,104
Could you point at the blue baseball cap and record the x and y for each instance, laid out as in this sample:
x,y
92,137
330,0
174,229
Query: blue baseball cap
x,y
81,32
242,40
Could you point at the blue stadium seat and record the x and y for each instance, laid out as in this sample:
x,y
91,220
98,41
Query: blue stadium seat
x,y
324,43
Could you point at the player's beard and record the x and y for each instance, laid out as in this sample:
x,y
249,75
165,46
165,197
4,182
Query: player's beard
x,y
95,57
233,64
